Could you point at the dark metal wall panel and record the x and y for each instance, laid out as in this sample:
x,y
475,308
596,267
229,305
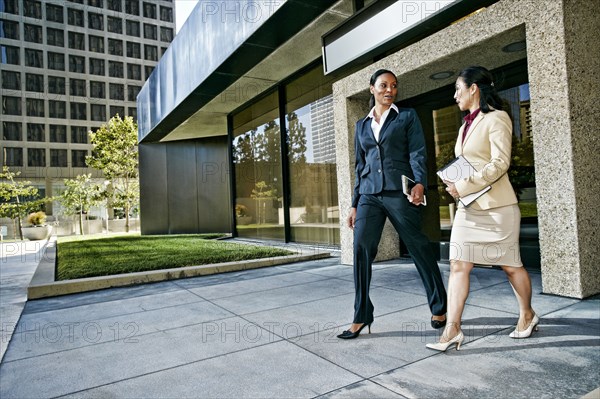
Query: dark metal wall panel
x,y
182,190
153,188
212,171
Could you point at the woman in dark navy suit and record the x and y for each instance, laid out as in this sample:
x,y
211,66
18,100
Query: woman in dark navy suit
x,y
389,143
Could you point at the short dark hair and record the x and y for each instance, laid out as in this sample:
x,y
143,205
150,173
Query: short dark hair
x,y
485,81
374,77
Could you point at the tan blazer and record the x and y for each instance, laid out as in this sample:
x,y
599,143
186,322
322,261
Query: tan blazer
x,y
487,147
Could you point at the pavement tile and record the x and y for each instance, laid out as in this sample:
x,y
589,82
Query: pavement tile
x,y
362,390
278,370
38,339
79,369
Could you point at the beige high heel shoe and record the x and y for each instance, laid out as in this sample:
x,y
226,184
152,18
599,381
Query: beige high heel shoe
x,y
442,346
533,325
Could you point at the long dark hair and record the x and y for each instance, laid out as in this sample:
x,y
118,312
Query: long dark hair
x,y
374,77
485,81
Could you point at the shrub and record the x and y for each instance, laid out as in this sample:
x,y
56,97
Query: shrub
x,y
36,218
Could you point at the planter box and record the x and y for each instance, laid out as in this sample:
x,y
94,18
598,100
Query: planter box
x,y
37,232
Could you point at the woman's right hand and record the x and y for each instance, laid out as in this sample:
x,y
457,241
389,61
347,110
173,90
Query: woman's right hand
x,y
352,218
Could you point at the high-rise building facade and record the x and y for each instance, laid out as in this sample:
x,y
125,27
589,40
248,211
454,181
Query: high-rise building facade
x,y
66,68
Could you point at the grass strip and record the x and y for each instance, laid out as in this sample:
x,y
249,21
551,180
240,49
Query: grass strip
x,y
91,257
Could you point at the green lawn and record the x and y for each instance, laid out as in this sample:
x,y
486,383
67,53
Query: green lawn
x,y
83,256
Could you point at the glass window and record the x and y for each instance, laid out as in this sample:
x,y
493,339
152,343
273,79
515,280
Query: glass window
x,y
150,31
150,53
11,105
58,158
34,107
115,69
114,5
314,210
34,58
166,14
95,21
9,29
36,157
57,109
13,156
35,132
56,85
32,9
133,50
97,66
79,134
77,87
55,37
34,82
149,10
134,71
132,92
10,55
78,158
76,1
58,133
54,13
76,64
116,110
32,33
132,7
96,3
10,6
96,44
258,173
132,28
56,61
163,50
78,111
98,112
115,25
97,89
76,41
75,17
116,91
115,47
133,112
166,34
12,131
11,80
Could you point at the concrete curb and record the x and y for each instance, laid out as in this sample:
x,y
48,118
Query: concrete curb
x,y
42,284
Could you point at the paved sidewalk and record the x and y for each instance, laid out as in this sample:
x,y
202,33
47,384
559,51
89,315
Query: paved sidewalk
x,y
18,261
270,333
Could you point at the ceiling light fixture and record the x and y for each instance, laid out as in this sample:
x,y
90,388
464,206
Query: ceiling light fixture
x,y
514,47
441,75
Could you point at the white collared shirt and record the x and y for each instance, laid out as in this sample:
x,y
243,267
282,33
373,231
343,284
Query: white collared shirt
x,y
376,127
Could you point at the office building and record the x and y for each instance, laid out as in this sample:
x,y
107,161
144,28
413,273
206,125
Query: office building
x,y
66,68
230,128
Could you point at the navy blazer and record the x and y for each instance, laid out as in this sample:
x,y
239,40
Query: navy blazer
x,y
400,151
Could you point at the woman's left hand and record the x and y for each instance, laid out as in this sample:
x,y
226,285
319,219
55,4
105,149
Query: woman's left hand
x,y
451,189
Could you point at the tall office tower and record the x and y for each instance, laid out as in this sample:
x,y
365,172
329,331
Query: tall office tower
x,y
323,135
66,68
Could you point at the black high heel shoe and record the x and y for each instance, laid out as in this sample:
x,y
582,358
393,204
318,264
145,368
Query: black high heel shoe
x,y
347,334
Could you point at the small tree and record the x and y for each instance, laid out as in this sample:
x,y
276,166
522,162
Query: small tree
x,y
262,194
115,154
19,198
79,196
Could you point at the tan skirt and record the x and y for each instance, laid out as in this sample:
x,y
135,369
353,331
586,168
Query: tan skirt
x,y
488,237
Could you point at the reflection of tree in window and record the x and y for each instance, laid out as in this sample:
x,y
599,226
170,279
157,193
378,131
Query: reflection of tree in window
x,y
296,139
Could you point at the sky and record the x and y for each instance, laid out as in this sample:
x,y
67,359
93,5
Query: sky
x,y
183,8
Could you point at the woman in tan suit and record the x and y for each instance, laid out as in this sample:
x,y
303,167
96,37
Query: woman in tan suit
x,y
486,232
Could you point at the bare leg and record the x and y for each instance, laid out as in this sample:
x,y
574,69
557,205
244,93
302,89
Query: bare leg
x,y
521,284
458,291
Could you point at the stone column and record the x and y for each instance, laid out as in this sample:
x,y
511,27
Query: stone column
x,y
564,81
